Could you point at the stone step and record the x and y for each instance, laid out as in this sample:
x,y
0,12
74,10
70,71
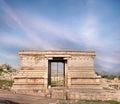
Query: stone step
x,y
58,94
31,73
33,70
28,76
83,74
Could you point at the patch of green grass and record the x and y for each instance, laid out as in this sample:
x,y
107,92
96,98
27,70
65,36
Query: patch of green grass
x,y
3,71
92,102
53,83
10,71
5,84
106,88
113,102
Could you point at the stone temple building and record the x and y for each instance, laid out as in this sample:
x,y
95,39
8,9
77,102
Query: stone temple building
x,y
46,70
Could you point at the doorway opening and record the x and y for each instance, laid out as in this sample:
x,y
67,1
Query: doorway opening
x,y
56,72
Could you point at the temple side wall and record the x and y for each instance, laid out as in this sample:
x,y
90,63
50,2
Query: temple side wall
x,y
81,72
33,74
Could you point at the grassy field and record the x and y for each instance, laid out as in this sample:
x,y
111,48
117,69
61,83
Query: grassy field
x,y
93,102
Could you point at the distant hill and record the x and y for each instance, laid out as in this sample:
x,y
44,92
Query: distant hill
x,y
103,72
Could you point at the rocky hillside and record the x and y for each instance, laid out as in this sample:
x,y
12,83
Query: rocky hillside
x,y
6,78
7,74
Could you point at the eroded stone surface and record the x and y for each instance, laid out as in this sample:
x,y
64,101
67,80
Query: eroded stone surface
x,y
33,76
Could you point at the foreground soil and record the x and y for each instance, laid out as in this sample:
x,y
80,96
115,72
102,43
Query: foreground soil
x,y
25,99
8,97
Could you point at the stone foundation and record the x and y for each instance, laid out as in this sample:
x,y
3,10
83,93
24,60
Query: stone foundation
x,y
74,94
94,95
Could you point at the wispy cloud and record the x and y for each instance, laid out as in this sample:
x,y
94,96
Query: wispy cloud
x,y
34,25
108,59
96,41
40,32
15,41
51,28
8,55
89,31
32,36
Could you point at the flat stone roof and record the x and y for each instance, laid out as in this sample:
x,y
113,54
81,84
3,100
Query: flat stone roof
x,y
57,52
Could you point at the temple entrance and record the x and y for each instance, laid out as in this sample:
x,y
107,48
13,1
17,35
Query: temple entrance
x,y
56,73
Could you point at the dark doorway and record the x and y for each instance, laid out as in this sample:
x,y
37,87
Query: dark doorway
x,y
56,73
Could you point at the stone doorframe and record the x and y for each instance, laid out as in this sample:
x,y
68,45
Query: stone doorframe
x,y
65,59
56,60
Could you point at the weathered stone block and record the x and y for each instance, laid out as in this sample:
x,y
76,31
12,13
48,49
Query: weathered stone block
x,y
58,94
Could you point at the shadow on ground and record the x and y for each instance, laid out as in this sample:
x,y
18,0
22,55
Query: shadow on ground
x,y
7,102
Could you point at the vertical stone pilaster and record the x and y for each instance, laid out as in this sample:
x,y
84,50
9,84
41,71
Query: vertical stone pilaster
x,y
69,80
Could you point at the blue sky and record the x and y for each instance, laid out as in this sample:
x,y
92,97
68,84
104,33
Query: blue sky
x,y
88,25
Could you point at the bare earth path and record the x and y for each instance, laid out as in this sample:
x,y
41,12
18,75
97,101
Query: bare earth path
x,y
25,99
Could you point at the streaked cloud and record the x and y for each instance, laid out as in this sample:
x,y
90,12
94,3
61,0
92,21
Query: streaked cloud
x,y
31,35
8,55
37,31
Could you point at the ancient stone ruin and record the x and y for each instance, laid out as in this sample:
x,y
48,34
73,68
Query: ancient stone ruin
x,y
46,72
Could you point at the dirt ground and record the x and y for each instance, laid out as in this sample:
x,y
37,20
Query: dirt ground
x,y
29,99
26,99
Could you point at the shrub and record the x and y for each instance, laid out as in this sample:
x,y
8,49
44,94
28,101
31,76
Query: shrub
x,y
1,70
5,84
53,83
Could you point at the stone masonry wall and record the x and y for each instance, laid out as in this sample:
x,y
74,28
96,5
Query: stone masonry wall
x,y
33,76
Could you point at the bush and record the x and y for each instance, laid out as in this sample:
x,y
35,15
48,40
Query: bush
x,y
111,77
1,70
53,83
5,84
